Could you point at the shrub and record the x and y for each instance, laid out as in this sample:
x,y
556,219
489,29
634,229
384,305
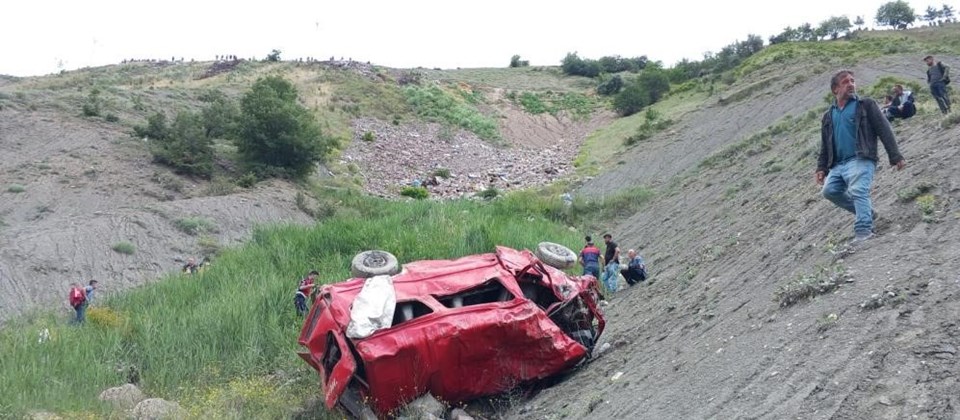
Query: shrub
x,y
186,148
576,66
124,248
418,193
93,104
16,188
277,134
274,55
220,118
645,90
247,180
111,118
195,225
515,61
368,136
434,104
489,193
220,186
442,173
156,127
611,86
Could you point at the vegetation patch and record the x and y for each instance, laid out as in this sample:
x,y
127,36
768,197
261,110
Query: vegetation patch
x,y
195,225
418,193
124,248
911,193
434,104
550,102
809,286
653,122
16,188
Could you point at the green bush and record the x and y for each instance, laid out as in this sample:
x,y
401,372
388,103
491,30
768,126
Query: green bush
x,y
645,90
220,118
368,136
185,148
111,118
92,105
16,188
124,248
156,127
515,61
278,136
247,180
441,173
418,193
611,86
195,225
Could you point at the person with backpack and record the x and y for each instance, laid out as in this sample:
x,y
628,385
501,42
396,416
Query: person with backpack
x,y
901,106
80,298
305,289
938,77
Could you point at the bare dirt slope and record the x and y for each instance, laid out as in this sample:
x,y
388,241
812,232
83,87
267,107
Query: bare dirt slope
x,y
708,338
88,186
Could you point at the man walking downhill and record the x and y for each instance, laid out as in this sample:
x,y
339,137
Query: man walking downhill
x,y
611,259
590,258
938,76
848,152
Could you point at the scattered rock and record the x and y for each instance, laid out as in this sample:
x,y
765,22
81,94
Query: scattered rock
x,y
425,407
158,409
123,397
459,414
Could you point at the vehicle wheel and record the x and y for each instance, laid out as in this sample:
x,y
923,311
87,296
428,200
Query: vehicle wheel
x,y
374,263
556,255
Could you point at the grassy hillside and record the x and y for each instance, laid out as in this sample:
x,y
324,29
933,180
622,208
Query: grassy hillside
x,y
727,212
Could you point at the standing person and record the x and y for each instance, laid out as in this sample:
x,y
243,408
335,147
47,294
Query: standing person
x,y
77,298
848,152
636,271
305,289
590,258
611,260
938,76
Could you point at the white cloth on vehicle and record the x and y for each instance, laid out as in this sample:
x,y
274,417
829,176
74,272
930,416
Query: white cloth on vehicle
x,y
373,307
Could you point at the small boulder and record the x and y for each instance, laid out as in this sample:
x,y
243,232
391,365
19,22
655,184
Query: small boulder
x,y
123,397
425,407
459,414
158,409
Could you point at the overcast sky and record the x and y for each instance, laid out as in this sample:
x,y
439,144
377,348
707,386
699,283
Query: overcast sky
x,y
44,36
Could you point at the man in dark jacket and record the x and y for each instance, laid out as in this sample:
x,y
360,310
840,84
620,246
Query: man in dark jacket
x,y
938,76
848,151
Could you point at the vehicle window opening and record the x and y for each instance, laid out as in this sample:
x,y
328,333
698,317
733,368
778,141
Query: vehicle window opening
x,y
316,312
331,355
408,310
537,292
577,322
489,292
360,374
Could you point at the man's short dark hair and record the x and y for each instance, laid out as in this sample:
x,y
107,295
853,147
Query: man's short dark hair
x,y
314,273
607,236
929,57
835,80
93,282
588,238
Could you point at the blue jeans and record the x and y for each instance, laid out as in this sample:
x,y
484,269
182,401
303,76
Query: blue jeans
x,y
611,276
81,313
591,269
939,91
848,186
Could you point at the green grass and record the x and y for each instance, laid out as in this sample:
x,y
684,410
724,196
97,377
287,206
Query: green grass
x,y
435,104
124,248
16,188
550,102
223,342
195,225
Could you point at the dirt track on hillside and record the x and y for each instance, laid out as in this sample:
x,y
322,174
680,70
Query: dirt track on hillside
x,y
708,340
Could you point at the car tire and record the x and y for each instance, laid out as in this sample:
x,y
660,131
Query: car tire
x,y
374,263
556,255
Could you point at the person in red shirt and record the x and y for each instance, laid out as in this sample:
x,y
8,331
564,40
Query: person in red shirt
x,y
305,289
